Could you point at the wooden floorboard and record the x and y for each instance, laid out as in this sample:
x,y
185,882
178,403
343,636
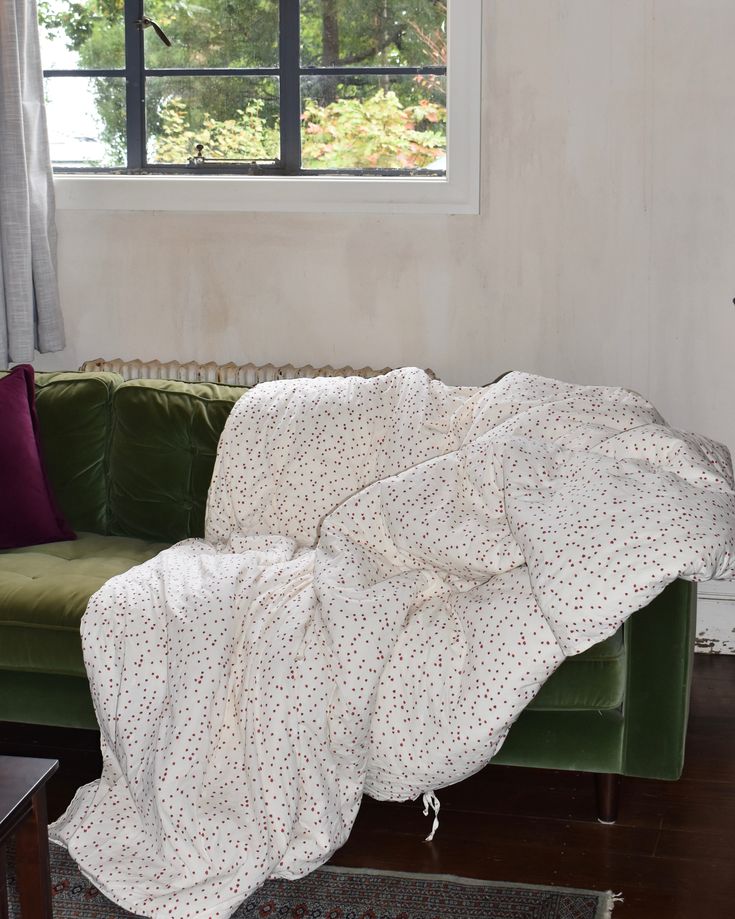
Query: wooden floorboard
x,y
671,854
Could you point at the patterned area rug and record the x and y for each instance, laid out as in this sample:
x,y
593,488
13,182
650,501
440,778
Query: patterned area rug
x,y
352,893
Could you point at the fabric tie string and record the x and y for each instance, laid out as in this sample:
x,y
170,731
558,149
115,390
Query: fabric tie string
x,y
430,800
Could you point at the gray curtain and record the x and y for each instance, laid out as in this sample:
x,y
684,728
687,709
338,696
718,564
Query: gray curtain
x,y
30,318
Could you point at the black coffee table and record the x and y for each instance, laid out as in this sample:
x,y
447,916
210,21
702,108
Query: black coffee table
x,y
23,814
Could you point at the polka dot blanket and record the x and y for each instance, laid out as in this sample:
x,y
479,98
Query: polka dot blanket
x,y
392,568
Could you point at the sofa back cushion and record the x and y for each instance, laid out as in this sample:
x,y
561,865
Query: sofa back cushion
x,y
74,421
162,452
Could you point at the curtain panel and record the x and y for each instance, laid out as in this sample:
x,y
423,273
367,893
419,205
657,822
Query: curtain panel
x,y
30,317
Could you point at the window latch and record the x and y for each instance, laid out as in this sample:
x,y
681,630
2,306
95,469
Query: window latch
x,y
252,167
146,23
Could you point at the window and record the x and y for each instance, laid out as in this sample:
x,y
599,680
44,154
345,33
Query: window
x,y
254,89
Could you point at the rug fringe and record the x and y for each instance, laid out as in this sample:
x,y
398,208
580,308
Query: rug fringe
x,y
608,904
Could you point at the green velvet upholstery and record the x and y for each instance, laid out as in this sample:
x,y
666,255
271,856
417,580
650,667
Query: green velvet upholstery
x,y
46,699
661,642
75,419
591,681
44,591
131,463
585,741
645,734
164,442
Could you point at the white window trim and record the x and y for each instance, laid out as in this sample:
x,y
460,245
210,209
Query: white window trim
x,y
458,193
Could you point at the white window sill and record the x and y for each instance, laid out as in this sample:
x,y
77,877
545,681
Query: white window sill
x,y
310,194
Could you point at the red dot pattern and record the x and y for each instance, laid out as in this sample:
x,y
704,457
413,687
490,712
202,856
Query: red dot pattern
x,y
392,569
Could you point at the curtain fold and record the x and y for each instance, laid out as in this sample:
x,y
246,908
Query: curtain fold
x,y
30,316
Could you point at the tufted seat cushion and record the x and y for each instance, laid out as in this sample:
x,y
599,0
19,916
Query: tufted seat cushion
x,y
44,591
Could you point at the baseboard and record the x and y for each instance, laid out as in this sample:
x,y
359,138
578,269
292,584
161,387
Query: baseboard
x,y
716,590
716,618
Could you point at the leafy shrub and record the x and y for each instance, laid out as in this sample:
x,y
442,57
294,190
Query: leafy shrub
x,y
375,132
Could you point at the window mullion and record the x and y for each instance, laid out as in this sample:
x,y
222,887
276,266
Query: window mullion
x,y
290,84
134,85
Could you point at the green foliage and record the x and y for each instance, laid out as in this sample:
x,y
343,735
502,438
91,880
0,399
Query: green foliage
x,y
377,132
372,133
213,33
360,122
246,136
371,32
78,20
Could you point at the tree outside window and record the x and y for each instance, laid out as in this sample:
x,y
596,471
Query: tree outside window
x,y
369,84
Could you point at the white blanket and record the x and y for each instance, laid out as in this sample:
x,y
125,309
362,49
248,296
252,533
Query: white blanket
x,y
392,569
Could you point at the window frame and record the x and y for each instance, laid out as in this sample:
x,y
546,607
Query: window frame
x,y
284,186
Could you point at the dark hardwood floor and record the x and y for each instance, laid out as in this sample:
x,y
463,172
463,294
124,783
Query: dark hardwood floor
x,y
671,853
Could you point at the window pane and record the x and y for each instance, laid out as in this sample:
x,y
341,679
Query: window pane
x,y
233,117
86,121
213,33
374,122
372,33
81,36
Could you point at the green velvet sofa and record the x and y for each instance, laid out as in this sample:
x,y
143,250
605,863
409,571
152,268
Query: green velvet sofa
x,y
131,462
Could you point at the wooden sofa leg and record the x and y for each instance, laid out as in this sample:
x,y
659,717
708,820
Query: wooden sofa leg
x,y
607,788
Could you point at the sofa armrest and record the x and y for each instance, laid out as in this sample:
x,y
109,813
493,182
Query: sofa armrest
x,y
659,643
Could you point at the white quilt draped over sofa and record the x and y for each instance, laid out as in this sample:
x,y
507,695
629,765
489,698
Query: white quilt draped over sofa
x,y
392,568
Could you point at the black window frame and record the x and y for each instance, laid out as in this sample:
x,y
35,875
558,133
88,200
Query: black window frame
x,y
289,73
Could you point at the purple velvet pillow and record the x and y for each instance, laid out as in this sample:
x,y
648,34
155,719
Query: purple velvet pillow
x,y
28,511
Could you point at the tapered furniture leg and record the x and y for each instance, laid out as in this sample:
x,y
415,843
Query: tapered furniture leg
x,y
32,861
607,788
